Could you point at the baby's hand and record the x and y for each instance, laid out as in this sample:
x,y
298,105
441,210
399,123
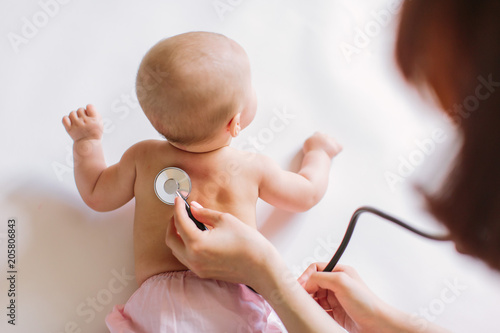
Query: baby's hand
x,y
322,142
84,124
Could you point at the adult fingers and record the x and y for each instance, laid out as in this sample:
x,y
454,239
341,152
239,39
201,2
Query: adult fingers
x,y
176,244
206,216
172,238
313,268
321,297
327,300
349,271
184,225
314,277
346,269
334,281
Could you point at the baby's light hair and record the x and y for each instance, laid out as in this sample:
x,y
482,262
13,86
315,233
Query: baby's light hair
x,y
192,84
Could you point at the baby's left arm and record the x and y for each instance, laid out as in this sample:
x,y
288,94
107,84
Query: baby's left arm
x,y
102,188
300,191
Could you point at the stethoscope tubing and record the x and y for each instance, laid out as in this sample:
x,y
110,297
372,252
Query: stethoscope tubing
x,y
352,224
200,225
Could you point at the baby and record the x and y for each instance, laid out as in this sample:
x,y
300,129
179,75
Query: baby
x,y
196,90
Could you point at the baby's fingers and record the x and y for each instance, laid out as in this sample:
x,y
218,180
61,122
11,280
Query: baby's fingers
x,y
91,111
67,123
73,116
80,112
337,147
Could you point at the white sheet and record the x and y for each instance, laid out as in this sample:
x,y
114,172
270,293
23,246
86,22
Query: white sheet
x,y
74,264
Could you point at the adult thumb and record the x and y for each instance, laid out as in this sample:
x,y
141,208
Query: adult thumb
x,y
206,216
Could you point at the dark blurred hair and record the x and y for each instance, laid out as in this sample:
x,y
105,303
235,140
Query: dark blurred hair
x,y
453,48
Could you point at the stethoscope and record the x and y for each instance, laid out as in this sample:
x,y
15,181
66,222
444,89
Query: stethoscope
x,y
173,182
352,223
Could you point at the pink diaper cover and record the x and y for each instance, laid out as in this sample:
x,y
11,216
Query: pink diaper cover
x,y
183,302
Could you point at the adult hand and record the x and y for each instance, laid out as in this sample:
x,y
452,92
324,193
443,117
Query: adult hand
x,y
343,295
232,251
352,304
229,250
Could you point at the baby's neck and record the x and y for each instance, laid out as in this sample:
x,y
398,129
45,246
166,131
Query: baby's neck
x,y
204,147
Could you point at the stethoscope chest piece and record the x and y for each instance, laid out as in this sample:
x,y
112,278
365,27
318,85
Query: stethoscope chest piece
x,y
170,180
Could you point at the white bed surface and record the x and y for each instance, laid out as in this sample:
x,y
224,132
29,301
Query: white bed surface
x,y
74,264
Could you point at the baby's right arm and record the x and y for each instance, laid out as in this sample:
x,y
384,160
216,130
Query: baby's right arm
x,y
298,192
102,188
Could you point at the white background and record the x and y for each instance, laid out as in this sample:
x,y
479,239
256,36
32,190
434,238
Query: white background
x,y
89,52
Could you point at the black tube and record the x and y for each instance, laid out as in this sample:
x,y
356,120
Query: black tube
x,y
352,223
200,225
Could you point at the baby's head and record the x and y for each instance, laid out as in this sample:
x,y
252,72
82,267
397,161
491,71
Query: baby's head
x,y
196,89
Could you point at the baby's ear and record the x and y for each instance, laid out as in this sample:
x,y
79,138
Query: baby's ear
x,y
234,126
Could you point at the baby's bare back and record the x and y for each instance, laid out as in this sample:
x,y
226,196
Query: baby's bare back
x,y
226,180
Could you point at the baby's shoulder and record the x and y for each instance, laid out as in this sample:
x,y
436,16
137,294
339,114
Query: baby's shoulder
x,y
142,149
251,160
148,145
